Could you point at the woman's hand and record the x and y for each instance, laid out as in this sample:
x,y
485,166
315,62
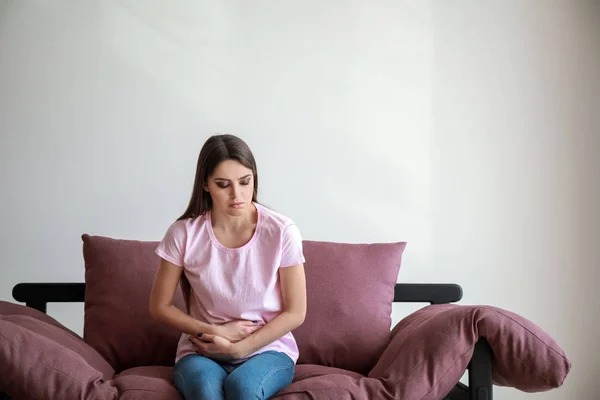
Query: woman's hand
x,y
215,347
235,331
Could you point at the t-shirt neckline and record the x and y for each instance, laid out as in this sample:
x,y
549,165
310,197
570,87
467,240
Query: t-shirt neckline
x,y
220,246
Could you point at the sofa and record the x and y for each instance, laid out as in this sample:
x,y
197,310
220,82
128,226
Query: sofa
x,y
348,348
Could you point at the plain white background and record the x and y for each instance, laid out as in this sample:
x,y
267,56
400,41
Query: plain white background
x,y
469,129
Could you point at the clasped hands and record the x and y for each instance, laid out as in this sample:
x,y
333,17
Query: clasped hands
x,y
224,343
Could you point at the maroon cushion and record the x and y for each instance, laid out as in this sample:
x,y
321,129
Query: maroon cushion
x,y
431,348
319,382
147,383
43,360
350,290
119,275
305,371
7,308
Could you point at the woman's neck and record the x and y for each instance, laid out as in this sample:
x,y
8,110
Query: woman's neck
x,y
234,223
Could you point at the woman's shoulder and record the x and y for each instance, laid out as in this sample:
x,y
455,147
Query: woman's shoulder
x,y
280,230
182,227
276,225
274,218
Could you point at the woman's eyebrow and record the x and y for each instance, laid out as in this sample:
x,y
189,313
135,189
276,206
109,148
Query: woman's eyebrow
x,y
243,177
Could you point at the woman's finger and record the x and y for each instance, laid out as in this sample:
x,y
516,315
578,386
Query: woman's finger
x,y
252,329
196,346
199,344
206,337
194,341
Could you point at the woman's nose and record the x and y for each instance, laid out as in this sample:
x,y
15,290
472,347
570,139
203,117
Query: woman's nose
x,y
235,190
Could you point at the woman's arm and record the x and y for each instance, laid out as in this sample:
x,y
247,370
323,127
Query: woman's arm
x,y
293,291
161,302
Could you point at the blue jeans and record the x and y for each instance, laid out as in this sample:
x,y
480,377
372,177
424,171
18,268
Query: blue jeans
x,y
260,377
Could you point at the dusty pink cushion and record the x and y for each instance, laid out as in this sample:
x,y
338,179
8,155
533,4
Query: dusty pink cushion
x,y
319,382
7,308
350,290
40,359
147,383
119,275
431,348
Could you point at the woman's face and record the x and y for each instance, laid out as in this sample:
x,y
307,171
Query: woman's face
x,y
231,187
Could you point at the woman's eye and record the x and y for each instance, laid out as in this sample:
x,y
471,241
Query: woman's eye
x,y
222,185
244,183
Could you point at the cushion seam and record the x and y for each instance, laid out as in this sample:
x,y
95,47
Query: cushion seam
x,y
443,336
527,329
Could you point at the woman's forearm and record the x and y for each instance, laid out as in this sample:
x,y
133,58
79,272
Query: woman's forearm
x,y
177,319
276,328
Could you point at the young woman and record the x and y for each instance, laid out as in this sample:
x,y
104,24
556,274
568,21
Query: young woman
x,y
241,268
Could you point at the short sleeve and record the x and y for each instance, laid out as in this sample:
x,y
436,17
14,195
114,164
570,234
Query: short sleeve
x,y
172,246
291,247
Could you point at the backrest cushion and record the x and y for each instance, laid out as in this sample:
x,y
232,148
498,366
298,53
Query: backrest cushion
x,y
350,291
119,275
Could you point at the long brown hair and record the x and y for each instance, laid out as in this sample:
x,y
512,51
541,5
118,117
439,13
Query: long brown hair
x,y
216,149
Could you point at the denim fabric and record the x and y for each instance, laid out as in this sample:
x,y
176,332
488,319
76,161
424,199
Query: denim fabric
x,y
260,377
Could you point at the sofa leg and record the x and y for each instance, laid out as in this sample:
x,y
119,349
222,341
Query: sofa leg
x,y
459,392
480,372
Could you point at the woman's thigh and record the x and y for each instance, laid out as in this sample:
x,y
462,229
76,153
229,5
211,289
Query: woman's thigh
x,y
260,377
197,377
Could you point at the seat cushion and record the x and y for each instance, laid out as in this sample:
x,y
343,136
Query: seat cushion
x,y
41,359
119,275
306,371
156,383
350,290
328,383
146,383
310,381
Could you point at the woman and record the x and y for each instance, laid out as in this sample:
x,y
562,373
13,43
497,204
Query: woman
x,y
241,269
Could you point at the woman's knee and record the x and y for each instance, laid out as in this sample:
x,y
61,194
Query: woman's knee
x,y
239,389
197,377
252,384
244,389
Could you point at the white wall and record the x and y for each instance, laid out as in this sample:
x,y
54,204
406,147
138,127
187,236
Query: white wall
x,y
516,167
467,128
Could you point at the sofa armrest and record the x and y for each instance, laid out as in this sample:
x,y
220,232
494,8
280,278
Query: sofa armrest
x,y
37,295
434,293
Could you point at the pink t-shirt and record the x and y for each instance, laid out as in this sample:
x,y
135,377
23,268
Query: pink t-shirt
x,y
242,283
